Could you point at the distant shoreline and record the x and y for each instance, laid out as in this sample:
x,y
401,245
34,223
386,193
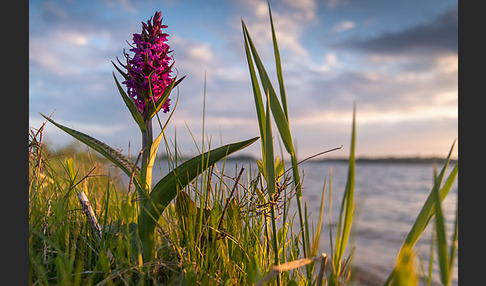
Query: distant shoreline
x,y
390,160
246,157
411,160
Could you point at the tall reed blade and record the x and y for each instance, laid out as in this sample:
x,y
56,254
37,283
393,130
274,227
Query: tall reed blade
x,y
428,210
453,249
269,155
281,120
271,180
317,235
346,212
276,108
441,242
278,64
257,96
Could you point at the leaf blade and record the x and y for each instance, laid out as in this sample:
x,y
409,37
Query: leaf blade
x,y
428,209
441,241
160,102
257,96
111,154
166,189
277,111
278,64
347,206
268,163
137,116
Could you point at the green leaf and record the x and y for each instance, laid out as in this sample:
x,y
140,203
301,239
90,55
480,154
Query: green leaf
x,y
317,235
256,91
347,206
124,74
441,241
452,253
111,154
70,169
233,222
281,119
269,163
277,111
153,153
278,64
279,168
166,190
405,272
137,116
428,209
431,259
261,167
160,102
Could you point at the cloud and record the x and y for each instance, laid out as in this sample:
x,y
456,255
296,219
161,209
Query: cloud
x,y
381,137
192,57
71,52
333,4
202,52
290,21
399,77
306,9
329,62
440,35
376,90
343,26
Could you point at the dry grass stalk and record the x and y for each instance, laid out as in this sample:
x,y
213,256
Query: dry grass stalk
x,y
275,270
90,216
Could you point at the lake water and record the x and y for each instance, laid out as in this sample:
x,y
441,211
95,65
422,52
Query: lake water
x,y
389,197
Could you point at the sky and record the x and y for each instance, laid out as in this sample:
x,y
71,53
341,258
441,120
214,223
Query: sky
x,y
396,60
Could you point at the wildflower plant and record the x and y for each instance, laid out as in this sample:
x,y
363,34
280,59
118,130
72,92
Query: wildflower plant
x,y
148,73
149,81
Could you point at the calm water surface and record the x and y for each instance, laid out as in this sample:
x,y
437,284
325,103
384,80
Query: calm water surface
x,y
389,197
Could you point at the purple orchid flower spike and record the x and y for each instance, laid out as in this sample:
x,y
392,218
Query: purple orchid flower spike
x,y
149,70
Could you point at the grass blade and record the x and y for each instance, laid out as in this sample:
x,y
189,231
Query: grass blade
x,y
347,208
428,209
256,90
278,64
441,241
269,163
349,201
452,253
406,267
271,180
277,111
317,235
283,127
160,102
431,258
166,190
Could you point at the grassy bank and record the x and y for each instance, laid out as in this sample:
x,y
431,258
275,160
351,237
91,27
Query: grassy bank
x,y
217,231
